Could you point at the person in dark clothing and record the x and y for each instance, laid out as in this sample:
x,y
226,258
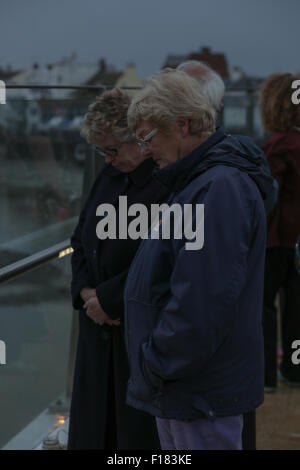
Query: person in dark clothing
x,y
281,117
193,315
99,416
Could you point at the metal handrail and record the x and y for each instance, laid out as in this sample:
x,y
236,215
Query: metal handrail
x,y
72,87
249,90
29,263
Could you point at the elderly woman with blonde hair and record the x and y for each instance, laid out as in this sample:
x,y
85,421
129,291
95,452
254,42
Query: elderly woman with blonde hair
x,y
281,118
193,300
99,417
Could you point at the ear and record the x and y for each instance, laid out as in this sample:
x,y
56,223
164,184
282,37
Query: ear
x,y
184,126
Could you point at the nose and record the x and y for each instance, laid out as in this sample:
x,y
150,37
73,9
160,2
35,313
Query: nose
x,y
146,151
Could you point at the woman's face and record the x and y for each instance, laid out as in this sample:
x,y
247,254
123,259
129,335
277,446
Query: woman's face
x,y
124,156
163,148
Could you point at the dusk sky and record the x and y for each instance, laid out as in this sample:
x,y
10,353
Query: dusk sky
x,y
261,36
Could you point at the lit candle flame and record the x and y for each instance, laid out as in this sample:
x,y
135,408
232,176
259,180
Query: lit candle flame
x,y
60,420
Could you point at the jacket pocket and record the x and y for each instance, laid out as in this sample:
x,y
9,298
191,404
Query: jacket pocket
x,y
139,325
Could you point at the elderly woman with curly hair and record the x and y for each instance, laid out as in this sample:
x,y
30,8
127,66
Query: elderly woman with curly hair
x,y
99,417
281,118
193,297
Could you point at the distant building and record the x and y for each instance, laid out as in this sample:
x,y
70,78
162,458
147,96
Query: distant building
x,y
104,75
237,74
108,76
129,78
235,79
60,109
217,61
173,60
69,72
63,73
7,73
239,80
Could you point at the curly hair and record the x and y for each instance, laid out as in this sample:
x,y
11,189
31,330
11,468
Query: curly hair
x,y
107,115
167,96
277,110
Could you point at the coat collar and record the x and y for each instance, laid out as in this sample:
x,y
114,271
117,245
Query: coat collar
x,y
174,175
139,177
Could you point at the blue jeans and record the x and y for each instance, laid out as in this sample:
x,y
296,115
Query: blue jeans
x,y
224,433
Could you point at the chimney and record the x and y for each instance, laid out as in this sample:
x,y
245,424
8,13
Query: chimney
x,y
205,50
102,65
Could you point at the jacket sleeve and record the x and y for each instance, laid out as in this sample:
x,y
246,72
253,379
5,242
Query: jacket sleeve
x,y
110,294
80,276
205,286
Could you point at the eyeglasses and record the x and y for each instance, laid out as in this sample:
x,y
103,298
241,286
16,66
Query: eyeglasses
x,y
111,151
145,142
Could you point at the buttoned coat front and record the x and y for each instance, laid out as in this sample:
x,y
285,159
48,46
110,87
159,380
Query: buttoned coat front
x,y
99,417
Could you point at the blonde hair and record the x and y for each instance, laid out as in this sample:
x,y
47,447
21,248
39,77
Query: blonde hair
x,y
277,110
167,96
107,115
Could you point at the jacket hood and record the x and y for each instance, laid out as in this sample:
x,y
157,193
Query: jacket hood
x,y
223,149
241,152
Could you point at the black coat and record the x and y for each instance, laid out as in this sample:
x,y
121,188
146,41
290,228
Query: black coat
x,y
99,417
